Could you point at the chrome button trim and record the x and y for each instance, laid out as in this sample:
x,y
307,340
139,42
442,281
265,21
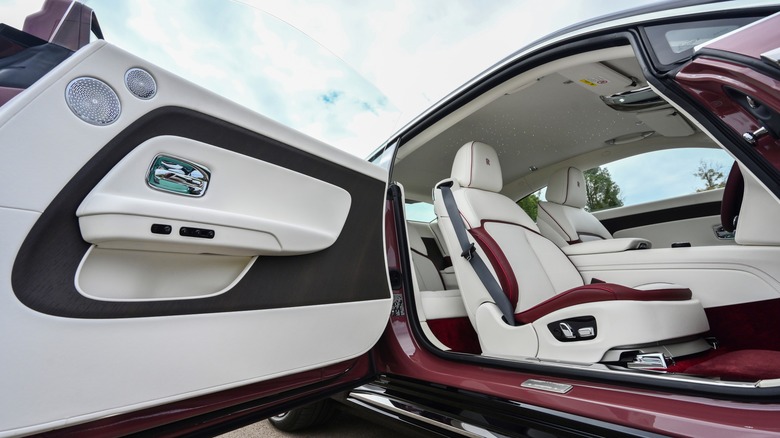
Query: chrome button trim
x,y
177,175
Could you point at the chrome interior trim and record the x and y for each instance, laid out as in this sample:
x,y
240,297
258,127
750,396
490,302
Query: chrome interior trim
x,y
648,360
635,100
650,375
544,385
377,397
178,176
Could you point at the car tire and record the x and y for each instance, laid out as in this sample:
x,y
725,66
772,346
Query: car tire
x,y
311,415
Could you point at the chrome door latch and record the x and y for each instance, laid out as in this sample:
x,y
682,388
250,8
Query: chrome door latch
x,y
179,176
721,233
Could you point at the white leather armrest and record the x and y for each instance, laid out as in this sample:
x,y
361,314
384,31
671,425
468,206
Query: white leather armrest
x,y
439,304
605,246
284,213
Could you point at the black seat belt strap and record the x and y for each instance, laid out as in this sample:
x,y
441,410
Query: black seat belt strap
x,y
470,254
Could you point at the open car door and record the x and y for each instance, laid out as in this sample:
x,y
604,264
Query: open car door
x,y
736,80
169,257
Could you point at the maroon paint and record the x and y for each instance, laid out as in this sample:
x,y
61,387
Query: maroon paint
x,y
704,79
307,383
44,22
73,33
592,293
732,198
746,43
504,271
7,94
399,353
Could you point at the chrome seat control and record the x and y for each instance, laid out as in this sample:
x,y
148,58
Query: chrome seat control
x,y
567,331
586,332
576,329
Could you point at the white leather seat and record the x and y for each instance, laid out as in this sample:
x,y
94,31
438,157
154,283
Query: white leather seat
x,y
438,301
563,219
441,311
544,288
428,277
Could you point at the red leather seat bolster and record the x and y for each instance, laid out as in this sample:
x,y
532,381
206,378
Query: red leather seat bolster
x,y
592,293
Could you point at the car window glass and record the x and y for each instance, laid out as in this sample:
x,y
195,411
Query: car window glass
x,y
648,177
257,61
672,43
420,212
668,173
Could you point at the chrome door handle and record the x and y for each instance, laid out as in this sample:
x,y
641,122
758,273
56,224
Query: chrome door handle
x,y
179,176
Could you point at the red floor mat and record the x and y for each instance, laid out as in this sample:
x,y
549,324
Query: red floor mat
x,y
747,365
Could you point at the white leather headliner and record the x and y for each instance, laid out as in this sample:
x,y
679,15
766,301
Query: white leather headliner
x,y
537,120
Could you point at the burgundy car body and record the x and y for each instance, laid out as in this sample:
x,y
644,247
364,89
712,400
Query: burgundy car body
x,y
405,376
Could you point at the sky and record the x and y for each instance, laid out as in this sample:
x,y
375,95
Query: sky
x,y
350,73
347,72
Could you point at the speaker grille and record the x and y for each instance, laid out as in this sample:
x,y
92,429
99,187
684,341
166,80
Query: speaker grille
x,y
140,83
93,101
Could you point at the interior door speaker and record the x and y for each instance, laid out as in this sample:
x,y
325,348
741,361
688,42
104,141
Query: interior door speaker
x,y
93,101
140,83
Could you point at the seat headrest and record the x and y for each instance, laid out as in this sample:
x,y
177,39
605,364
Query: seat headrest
x,y
567,187
476,166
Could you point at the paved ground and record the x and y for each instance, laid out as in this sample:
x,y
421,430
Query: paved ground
x,y
344,425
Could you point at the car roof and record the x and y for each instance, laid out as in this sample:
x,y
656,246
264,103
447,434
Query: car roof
x,y
540,119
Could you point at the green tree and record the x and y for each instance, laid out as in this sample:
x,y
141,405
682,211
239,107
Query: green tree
x,y
530,204
712,175
602,192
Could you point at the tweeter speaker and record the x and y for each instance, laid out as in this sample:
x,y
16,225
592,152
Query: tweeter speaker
x,y
141,83
93,101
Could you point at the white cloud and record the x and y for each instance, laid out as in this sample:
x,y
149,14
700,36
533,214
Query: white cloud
x,y
13,12
414,52
417,52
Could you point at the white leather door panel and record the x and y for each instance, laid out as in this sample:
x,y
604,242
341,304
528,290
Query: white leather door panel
x,y
258,208
690,218
139,320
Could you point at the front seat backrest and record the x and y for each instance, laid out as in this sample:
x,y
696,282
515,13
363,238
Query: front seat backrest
x,y
541,284
563,218
510,238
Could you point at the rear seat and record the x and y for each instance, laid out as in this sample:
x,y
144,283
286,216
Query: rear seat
x,y
442,309
428,277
